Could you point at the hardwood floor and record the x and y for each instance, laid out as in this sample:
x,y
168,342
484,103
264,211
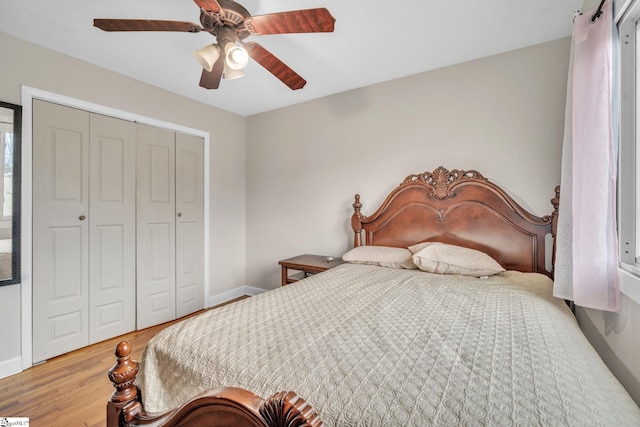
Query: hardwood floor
x,y
72,389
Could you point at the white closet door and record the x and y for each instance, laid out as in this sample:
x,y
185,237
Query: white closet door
x,y
189,224
60,229
112,231
156,280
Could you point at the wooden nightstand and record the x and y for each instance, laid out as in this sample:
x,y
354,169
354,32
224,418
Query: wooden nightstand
x,y
306,265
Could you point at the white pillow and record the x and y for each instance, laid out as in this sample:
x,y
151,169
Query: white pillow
x,y
384,256
442,258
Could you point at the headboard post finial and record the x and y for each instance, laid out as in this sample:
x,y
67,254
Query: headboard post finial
x,y
356,222
556,208
554,223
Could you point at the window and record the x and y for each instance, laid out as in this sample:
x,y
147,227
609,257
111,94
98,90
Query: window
x,y
629,154
10,126
6,170
6,167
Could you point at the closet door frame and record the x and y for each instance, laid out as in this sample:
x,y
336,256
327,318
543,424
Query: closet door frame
x,y
26,291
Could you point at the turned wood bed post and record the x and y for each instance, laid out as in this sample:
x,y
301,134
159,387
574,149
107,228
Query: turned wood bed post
x,y
554,223
122,375
356,222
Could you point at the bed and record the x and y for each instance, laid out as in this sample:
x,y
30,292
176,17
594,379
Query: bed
x,y
419,327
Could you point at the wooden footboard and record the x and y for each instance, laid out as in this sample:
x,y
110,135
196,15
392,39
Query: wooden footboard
x,y
225,406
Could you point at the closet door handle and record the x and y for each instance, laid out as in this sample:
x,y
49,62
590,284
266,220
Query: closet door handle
x,y
179,214
82,217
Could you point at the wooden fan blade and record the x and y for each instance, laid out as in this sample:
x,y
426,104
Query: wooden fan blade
x,y
211,79
145,25
295,21
209,5
275,66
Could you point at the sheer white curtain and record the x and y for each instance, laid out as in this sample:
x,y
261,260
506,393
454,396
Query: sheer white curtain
x,y
586,269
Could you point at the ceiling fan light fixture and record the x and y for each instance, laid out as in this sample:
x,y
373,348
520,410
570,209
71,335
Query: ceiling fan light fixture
x,y
231,73
236,57
207,56
230,23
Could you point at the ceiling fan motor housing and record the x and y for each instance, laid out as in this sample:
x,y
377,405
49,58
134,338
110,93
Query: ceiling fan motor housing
x,y
231,17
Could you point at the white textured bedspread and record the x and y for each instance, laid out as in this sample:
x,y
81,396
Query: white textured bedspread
x,y
375,346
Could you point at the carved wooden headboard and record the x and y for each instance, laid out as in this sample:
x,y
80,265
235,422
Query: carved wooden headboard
x,y
461,208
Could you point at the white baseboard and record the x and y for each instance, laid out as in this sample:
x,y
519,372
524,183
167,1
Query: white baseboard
x,y
10,367
251,291
233,294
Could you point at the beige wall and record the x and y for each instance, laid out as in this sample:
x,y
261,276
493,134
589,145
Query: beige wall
x,y
502,115
23,63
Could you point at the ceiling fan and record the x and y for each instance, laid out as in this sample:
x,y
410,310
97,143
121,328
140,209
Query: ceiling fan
x,y
230,23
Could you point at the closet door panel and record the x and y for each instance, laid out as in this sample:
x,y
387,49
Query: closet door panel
x,y
189,224
112,227
189,286
60,229
156,281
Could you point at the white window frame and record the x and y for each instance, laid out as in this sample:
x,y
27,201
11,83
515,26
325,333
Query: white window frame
x,y
627,17
628,165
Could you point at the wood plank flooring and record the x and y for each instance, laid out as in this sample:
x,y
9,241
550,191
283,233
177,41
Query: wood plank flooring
x,y
72,389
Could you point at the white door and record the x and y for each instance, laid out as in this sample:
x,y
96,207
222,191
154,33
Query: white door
x,y
156,279
60,229
112,228
189,224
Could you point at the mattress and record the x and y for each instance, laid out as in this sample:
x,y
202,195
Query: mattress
x,y
376,346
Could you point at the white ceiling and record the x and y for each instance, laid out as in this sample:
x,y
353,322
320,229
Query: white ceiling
x,y
374,41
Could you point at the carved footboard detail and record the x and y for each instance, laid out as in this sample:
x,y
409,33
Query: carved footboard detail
x,y
287,409
225,406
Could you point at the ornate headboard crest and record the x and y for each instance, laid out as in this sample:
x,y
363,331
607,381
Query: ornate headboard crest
x,y
442,181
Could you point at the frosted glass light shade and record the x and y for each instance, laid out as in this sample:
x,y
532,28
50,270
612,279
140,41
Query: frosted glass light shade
x,y
236,56
231,74
207,56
